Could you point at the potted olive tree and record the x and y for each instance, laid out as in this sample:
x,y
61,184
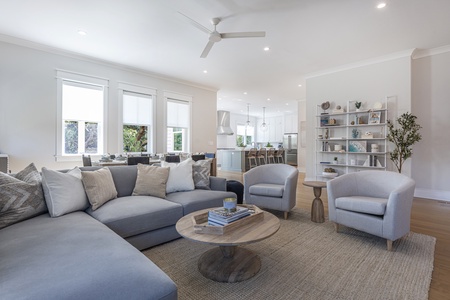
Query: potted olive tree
x,y
404,136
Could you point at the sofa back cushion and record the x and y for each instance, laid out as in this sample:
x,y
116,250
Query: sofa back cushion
x,y
64,192
124,178
151,181
99,186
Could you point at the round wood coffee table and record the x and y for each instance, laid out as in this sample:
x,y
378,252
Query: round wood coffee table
x,y
317,211
228,262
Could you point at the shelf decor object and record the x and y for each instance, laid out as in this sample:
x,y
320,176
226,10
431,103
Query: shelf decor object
x,y
357,146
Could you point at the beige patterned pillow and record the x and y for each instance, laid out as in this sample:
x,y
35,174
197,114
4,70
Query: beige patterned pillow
x,y
99,186
21,196
200,172
151,181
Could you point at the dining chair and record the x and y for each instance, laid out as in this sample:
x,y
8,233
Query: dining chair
x,y
87,161
196,157
172,158
134,160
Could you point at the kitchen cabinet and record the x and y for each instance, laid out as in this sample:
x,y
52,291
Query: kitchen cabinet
x,y
291,123
231,160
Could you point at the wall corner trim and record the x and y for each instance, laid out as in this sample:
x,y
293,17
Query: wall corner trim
x,y
420,53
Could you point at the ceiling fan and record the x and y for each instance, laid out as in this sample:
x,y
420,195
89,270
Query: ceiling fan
x,y
215,36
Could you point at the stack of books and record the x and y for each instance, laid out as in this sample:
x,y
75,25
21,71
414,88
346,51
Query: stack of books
x,y
221,216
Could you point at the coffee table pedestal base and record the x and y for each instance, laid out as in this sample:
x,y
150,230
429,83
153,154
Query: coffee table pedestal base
x,y
229,264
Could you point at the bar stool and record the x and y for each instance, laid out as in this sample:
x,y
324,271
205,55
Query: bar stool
x,y
261,155
279,156
252,158
271,155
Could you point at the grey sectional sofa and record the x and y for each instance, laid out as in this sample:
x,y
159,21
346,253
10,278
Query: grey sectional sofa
x,y
90,255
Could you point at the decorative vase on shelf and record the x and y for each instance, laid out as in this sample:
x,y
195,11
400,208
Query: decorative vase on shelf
x,y
358,105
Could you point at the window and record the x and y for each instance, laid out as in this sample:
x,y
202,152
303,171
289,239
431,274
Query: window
x,y
178,124
137,130
245,135
80,115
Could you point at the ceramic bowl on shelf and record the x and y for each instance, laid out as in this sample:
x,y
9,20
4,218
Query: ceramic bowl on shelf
x,y
329,175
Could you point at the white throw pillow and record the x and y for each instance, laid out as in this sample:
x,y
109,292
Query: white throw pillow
x,y
180,176
64,192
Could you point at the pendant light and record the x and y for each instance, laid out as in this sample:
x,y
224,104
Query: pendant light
x,y
248,115
264,126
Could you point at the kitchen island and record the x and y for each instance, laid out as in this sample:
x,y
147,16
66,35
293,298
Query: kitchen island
x,y
233,160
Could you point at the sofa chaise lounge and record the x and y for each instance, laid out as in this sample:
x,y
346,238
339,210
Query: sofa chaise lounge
x,y
89,254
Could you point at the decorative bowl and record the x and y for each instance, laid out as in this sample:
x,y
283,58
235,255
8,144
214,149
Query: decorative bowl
x,y
329,175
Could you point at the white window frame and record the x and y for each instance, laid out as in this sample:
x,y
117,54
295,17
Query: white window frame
x,y
132,88
62,76
245,134
176,97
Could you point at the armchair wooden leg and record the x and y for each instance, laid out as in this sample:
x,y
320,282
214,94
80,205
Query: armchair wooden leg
x,y
336,227
286,213
389,245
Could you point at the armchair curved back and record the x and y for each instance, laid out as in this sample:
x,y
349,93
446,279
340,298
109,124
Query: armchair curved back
x,y
269,176
391,192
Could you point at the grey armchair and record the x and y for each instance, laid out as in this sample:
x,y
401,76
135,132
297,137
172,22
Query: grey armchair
x,y
376,202
271,186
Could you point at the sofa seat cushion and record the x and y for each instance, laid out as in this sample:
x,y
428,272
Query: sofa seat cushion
x,y
132,215
267,189
199,199
75,257
367,205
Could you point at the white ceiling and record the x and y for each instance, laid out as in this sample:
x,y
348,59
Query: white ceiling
x,y
304,37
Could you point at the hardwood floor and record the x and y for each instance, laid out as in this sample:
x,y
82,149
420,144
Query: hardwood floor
x,y
428,217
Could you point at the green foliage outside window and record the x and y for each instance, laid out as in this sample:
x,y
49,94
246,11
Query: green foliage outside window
x,y
240,141
134,138
91,137
71,137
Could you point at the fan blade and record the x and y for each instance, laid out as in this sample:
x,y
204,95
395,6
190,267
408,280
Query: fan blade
x,y
230,35
196,24
207,49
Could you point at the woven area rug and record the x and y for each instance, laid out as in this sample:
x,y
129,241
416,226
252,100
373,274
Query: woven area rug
x,y
306,260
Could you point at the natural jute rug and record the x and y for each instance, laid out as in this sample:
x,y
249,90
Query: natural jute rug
x,y
306,260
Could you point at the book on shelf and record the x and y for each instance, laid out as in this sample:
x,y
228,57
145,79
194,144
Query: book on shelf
x,y
372,161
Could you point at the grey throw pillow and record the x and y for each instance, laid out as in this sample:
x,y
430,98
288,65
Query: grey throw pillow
x,y
151,181
21,196
99,186
64,192
200,172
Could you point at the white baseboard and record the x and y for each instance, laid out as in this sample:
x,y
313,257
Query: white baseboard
x,y
432,194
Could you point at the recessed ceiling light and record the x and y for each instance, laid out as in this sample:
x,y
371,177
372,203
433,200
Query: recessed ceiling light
x,y
299,85
287,103
82,32
205,71
268,99
245,93
266,48
381,5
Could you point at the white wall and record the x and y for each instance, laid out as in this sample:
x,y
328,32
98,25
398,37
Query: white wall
x,y
431,104
28,104
367,83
